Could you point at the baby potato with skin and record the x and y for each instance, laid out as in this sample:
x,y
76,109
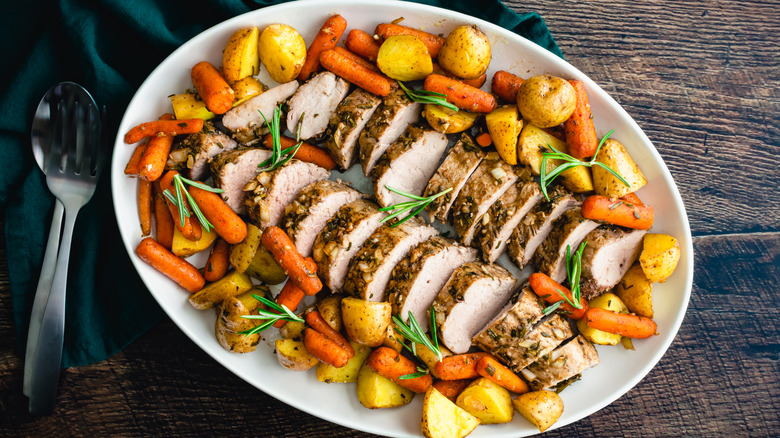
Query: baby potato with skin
x,y
282,52
466,53
546,101
404,58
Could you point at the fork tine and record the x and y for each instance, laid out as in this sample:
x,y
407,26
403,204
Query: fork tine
x,y
54,158
71,147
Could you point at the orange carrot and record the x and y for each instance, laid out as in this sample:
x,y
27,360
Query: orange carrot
x,y
291,261
461,95
155,155
363,44
227,224
389,363
290,296
161,128
212,87
367,64
307,152
632,198
484,139
218,261
432,42
459,366
476,83
618,212
190,229
317,322
490,368
162,218
355,73
580,132
505,85
135,159
324,349
547,288
171,265
628,325
145,206
326,39
451,388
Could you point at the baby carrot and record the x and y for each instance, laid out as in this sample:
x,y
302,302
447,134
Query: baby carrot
x,y
451,388
548,289
432,42
212,87
459,366
307,152
632,198
501,375
461,95
326,39
290,296
363,44
218,261
624,324
389,363
190,229
315,320
324,349
145,206
357,74
155,155
505,85
367,64
476,82
171,265
484,139
580,132
162,218
162,128
135,159
618,212
227,224
291,261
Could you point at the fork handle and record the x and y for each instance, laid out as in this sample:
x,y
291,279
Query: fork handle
x,y
42,292
45,372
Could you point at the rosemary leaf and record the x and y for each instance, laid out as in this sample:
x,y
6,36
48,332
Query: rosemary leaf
x,y
425,96
418,203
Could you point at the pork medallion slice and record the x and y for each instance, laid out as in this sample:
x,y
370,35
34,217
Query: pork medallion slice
x,y
567,232
370,269
472,296
194,151
246,121
314,103
385,126
511,324
461,161
232,171
342,237
561,364
609,254
408,164
346,123
419,277
270,192
314,205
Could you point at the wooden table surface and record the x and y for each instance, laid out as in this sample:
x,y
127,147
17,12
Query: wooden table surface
x,y
702,79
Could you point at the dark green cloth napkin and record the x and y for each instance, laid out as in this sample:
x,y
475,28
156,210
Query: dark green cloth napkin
x,y
108,46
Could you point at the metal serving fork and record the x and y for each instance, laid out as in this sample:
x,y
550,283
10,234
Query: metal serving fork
x,y
72,169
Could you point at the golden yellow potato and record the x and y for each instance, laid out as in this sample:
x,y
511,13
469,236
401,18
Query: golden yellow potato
x,y
546,101
534,142
292,355
242,253
190,106
615,155
448,121
504,126
606,301
375,391
240,58
429,357
184,247
264,267
366,321
292,329
404,58
441,418
349,372
541,408
245,89
393,339
232,284
636,291
659,257
487,401
466,52
230,322
282,51
330,309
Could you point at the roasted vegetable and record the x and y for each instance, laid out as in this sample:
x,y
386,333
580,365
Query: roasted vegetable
x,y
263,267
636,291
615,155
442,418
241,254
189,106
504,127
292,330
466,53
230,322
247,88
546,101
404,58
232,284
541,408
375,391
448,121
366,321
282,51
534,142
487,401
349,372
184,247
606,301
292,355
240,58
330,309
659,257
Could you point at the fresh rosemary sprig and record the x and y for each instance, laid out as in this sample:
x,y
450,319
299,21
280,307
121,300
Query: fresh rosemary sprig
x,y
279,157
183,197
571,162
285,315
419,202
412,331
425,96
573,271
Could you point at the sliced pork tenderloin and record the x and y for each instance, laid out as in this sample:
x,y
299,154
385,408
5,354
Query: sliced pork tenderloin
x,y
384,127
371,268
270,192
314,103
191,155
408,164
567,232
341,238
495,228
232,170
418,278
517,318
461,161
608,255
472,296
561,364
246,121
347,123
535,226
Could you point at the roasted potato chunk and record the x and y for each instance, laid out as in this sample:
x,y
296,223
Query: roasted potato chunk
x,y
190,106
240,58
636,291
232,284
292,355
282,52
292,330
404,58
241,254
263,267
466,52
615,155
230,322
541,408
349,372
184,247
534,142
448,121
375,391
504,126
330,309
606,301
487,401
659,257
442,418
366,321
245,89
546,101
